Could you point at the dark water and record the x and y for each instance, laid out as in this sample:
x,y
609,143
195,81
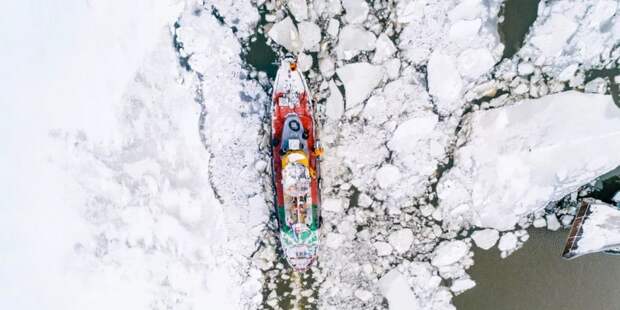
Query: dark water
x,y
518,17
536,277
609,74
606,186
261,56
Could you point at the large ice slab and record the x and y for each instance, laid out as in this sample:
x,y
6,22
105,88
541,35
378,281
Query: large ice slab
x,y
354,39
359,79
397,291
444,80
285,33
518,158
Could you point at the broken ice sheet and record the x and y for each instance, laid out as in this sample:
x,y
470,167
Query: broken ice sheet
x,y
541,150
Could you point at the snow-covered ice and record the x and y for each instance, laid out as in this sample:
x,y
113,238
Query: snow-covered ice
x,y
384,49
387,176
449,252
310,36
354,39
401,240
125,212
285,33
396,290
356,11
383,248
507,242
335,205
519,157
552,222
444,80
359,80
299,9
485,239
461,285
334,106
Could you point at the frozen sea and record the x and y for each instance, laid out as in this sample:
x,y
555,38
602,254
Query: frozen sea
x,y
136,167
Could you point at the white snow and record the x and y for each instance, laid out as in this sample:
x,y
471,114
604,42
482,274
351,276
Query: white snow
x,y
466,10
449,252
485,239
334,240
359,81
566,220
401,240
519,157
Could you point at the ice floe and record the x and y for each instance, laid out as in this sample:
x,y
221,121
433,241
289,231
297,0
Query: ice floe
x,y
354,39
542,150
485,239
449,252
395,287
401,240
359,81
285,33
310,35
